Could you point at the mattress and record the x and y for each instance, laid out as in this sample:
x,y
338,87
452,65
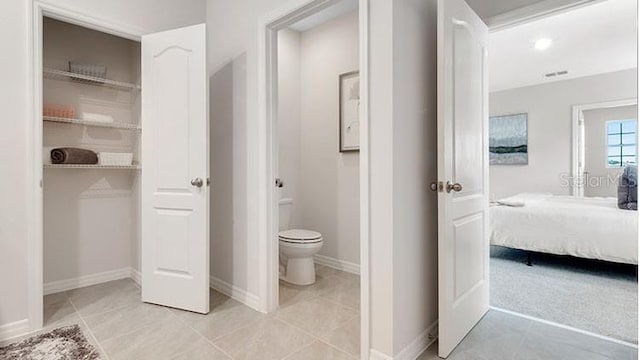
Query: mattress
x,y
592,228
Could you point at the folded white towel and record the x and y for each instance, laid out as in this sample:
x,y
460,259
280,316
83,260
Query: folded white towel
x,y
101,118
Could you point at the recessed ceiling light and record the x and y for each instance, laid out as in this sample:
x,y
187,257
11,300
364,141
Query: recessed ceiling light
x,y
542,44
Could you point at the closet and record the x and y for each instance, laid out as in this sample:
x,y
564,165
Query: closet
x,y
104,218
91,98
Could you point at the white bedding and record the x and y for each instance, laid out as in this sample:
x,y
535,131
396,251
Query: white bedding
x,y
591,228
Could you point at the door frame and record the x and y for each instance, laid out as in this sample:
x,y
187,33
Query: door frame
x,y
268,27
35,224
578,136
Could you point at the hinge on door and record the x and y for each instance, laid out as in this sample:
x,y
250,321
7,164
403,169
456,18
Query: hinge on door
x,y
437,186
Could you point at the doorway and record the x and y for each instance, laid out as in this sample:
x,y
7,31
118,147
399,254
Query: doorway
x,y
587,160
562,130
530,177
283,179
87,150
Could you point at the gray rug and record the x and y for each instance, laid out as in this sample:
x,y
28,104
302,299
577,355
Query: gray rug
x,y
66,343
595,296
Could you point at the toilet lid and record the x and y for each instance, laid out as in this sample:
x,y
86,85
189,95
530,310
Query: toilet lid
x,y
299,235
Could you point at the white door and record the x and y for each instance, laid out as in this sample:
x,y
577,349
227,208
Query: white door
x,y
175,200
463,168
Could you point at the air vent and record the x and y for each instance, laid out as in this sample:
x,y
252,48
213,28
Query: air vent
x,y
556,73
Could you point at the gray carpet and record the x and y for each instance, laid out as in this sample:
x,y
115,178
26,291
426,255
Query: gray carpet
x,y
595,296
65,343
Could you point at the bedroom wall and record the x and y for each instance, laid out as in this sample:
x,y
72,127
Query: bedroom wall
x,y
599,183
549,128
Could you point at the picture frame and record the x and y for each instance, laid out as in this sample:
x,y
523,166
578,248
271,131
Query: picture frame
x,y
509,139
349,111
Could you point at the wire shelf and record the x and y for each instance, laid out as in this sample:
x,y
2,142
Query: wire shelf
x,y
65,75
112,125
135,166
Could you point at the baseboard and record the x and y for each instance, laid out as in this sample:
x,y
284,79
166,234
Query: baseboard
x,y
86,280
567,327
415,347
136,276
419,344
16,328
377,355
235,293
337,264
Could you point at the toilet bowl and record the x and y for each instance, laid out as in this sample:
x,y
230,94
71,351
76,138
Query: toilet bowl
x,y
297,247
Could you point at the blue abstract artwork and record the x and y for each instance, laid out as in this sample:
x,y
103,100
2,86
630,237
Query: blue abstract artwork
x,y
508,140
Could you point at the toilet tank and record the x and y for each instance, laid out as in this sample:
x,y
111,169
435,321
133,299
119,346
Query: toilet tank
x,y
285,206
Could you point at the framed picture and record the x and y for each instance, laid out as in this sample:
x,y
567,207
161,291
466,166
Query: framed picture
x,y
508,140
349,111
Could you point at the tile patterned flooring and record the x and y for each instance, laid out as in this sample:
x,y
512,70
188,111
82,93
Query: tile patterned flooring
x,y
321,321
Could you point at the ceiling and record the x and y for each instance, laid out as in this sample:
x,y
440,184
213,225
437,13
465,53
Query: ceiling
x,y
589,40
331,12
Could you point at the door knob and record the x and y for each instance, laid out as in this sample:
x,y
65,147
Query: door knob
x,y
197,182
455,187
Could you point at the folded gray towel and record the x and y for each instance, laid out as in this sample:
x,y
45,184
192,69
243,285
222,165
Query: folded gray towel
x,y
69,155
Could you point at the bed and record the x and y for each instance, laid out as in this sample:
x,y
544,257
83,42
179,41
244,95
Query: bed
x,y
592,228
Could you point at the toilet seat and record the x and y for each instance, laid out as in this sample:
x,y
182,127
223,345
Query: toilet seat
x,y
300,236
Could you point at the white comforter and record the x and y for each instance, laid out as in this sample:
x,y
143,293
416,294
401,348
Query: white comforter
x,y
591,228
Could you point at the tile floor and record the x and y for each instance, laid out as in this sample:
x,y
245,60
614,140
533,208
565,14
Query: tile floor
x,y
501,336
320,321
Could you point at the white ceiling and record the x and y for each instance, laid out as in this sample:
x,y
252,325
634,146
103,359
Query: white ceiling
x,y
590,40
325,15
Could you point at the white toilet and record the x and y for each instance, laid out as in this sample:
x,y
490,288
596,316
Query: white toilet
x,y
297,247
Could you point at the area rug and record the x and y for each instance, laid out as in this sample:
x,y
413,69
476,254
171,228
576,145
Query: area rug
x,y
596,296
65,343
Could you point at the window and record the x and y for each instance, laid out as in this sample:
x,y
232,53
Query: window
x,y
622,143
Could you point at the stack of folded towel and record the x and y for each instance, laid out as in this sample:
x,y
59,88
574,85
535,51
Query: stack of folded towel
x,y
70,155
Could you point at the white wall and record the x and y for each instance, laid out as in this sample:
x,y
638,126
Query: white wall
x,y
403,121
289,122
549,128
329,180
381,175
600,176
16,100
415,216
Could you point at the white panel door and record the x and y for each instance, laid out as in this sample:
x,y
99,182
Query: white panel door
x,y
175,200
463,168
